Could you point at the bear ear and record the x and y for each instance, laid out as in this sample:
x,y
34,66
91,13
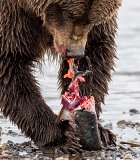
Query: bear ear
x,y
52,13
53,10
102,10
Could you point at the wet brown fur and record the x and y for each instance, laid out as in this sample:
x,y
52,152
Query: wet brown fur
x,y
27,31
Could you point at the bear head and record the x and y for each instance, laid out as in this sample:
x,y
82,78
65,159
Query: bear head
x,y
70,21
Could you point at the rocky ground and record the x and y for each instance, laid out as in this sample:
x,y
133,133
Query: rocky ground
x,y
27,151
127,150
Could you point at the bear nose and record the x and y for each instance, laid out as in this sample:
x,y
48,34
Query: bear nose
x,y
77,33
76,38
69,52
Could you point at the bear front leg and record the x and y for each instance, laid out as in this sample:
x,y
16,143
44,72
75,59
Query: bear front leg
x,y
23,41
107,137
21,101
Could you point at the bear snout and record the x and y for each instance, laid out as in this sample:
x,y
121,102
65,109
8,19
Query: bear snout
x,y
69,52
75,53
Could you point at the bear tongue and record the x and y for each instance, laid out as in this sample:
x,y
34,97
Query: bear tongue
x,y
60,49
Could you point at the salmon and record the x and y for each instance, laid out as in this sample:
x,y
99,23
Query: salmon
x,y
87,130
80,111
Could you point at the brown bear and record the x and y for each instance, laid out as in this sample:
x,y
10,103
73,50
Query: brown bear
x,y
84,29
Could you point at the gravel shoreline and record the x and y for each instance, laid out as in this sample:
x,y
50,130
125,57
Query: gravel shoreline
x,y
27,151
125,150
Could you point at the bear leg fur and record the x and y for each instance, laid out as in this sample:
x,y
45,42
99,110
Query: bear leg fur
x,y
21,41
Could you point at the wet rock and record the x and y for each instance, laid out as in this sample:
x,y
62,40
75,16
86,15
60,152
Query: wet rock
x,y
109,157
4,147
138,128
101,120
128,157
12,133
121,124
16,153
118,155
124,147
5,156
10,143
130,124
30,149
62,158
111,148
8,152
20,135
25,144
1,117
133,112
102,154
108,126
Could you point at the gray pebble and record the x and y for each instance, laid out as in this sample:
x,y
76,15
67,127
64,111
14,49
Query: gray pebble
x,y
134,112
108,126
10,143
138,128
16,153
30,149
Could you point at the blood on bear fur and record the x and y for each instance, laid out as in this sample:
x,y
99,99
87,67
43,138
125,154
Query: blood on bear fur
x,y
31,28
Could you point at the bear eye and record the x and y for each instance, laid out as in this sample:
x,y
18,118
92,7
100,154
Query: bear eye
x,y
67,15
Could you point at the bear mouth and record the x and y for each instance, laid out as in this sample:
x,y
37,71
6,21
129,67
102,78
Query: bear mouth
x,y
69,52
78,53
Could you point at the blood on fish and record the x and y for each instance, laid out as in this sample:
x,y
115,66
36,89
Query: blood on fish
x,y
71,99
80,111
70,73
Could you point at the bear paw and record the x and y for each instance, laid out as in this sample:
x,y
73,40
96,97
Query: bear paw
x,y
107,137
70,145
